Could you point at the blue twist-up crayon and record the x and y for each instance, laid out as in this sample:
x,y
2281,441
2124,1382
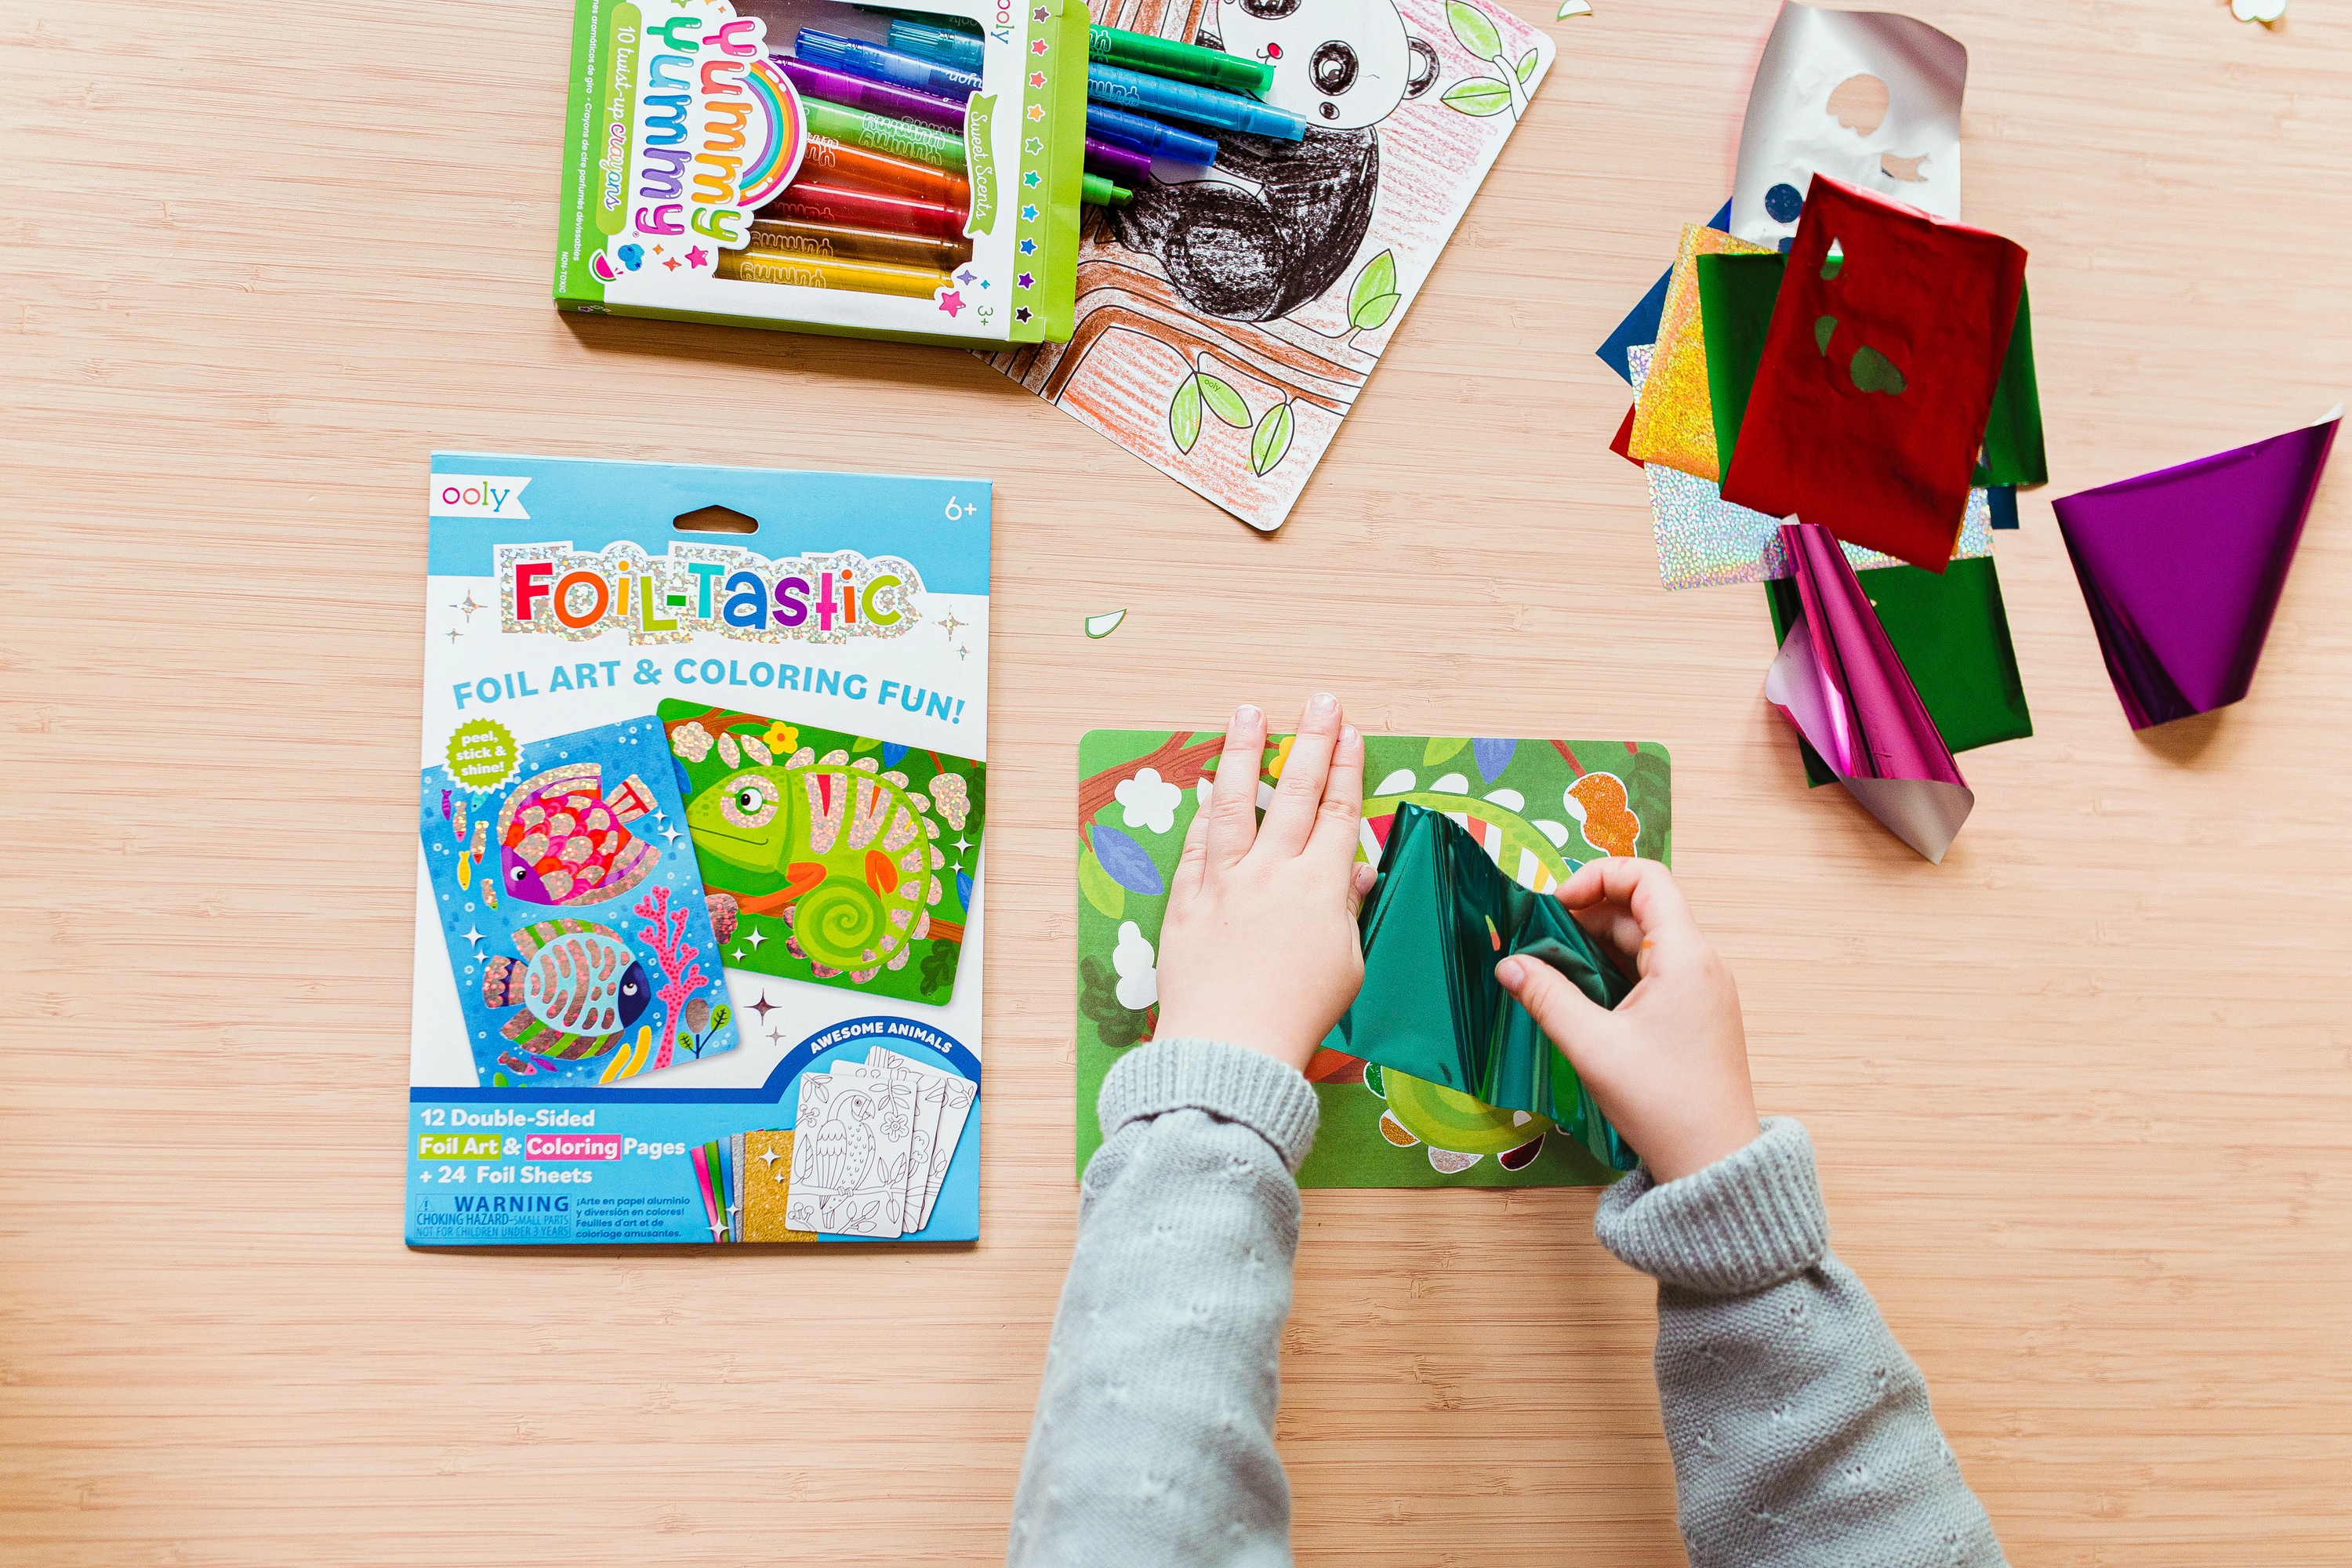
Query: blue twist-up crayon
x,y
1135,91
949,45
1148,137
877,64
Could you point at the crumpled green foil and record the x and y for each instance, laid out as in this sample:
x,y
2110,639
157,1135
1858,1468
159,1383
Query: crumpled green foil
x,y
1436,923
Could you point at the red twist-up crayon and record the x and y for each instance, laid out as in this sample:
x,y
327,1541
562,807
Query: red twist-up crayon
x,y
831,162
807,200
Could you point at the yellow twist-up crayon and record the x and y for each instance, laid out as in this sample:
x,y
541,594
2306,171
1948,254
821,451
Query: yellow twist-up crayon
x,y
757,266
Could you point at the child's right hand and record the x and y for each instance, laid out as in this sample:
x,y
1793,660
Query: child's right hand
x,y
1669,1066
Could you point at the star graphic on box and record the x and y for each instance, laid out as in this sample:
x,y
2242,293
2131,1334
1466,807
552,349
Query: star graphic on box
x,y
1028,248
1038,46
1030,179
1036,112
966,277
1020,312
671,264
1034,146
951,302
698,256
1026,280
1036,79
1029,213
1039,14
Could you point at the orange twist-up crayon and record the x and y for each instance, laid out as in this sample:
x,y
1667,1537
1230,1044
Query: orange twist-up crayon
x,y
807,200
830,240
830,162
818,272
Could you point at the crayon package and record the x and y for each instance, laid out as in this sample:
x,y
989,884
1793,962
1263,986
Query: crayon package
x,y
775,163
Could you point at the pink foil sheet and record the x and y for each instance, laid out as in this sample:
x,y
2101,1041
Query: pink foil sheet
x,y
1838,681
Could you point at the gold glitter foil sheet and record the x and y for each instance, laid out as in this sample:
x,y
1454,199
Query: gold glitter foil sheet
x,y
767,1183
1674,422
1705,542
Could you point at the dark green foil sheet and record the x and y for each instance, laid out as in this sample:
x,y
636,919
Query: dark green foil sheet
x,y
1439,919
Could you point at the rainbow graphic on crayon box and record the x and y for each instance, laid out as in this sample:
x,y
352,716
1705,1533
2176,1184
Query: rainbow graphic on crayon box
x,y
707,129
768,174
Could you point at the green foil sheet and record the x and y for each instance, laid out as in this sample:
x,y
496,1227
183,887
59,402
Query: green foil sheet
x,y
1951,632
1440,919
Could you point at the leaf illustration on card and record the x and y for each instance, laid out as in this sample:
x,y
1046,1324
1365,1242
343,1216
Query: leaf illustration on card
x,y
1223,401
1184,413
1100,890
1478,95
1440,747
1374,298
1126,862
1475,28
1527,65
1271,441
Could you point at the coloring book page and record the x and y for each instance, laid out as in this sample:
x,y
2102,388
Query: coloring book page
x,y
1538,808
899,1082
952,1096
850,1148
577,936
1228,317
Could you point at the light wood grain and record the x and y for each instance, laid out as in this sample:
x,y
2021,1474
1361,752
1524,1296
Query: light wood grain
x,y
2082,1094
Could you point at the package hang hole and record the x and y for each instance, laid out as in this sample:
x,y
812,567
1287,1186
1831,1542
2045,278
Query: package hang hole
x,y
716,520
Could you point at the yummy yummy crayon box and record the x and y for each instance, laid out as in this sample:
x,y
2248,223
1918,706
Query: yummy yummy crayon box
x,y
701,795
681,127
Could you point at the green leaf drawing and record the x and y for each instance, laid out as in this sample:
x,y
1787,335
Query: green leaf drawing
x,y
1527,65
863,744
1374,297
1184,414
1272,439
1475,28
1441,747
1824,328
719,1015
1100,890
1224,402
1479,95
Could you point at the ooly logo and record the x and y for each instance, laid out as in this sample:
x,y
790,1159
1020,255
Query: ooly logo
x,y
477,495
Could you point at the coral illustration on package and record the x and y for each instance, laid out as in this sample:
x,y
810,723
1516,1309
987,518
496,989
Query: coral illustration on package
x,y
830,858
574,949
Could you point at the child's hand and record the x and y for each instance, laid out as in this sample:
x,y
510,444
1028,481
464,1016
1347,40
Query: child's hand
x,y
1669,1066
1260,945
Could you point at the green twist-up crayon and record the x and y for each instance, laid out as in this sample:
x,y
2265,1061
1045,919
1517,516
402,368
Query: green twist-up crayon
x,y
1182,62
925,144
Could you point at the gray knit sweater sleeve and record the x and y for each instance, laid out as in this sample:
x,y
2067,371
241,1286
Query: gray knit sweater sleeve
x,y
1801,1431
1153,1441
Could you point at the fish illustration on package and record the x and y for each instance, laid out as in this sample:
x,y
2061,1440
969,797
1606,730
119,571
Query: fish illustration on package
x,y
564,841
579,986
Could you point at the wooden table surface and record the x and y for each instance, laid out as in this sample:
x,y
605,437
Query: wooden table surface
x,y
2083,1094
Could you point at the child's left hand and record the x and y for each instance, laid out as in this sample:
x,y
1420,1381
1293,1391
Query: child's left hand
x,y
1259,948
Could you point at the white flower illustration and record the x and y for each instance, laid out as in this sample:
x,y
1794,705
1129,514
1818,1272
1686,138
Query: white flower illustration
x,y
1148,801
1137,966
691,742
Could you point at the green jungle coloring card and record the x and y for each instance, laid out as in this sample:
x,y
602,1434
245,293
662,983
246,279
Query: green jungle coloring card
x,y
829,858
1539,806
